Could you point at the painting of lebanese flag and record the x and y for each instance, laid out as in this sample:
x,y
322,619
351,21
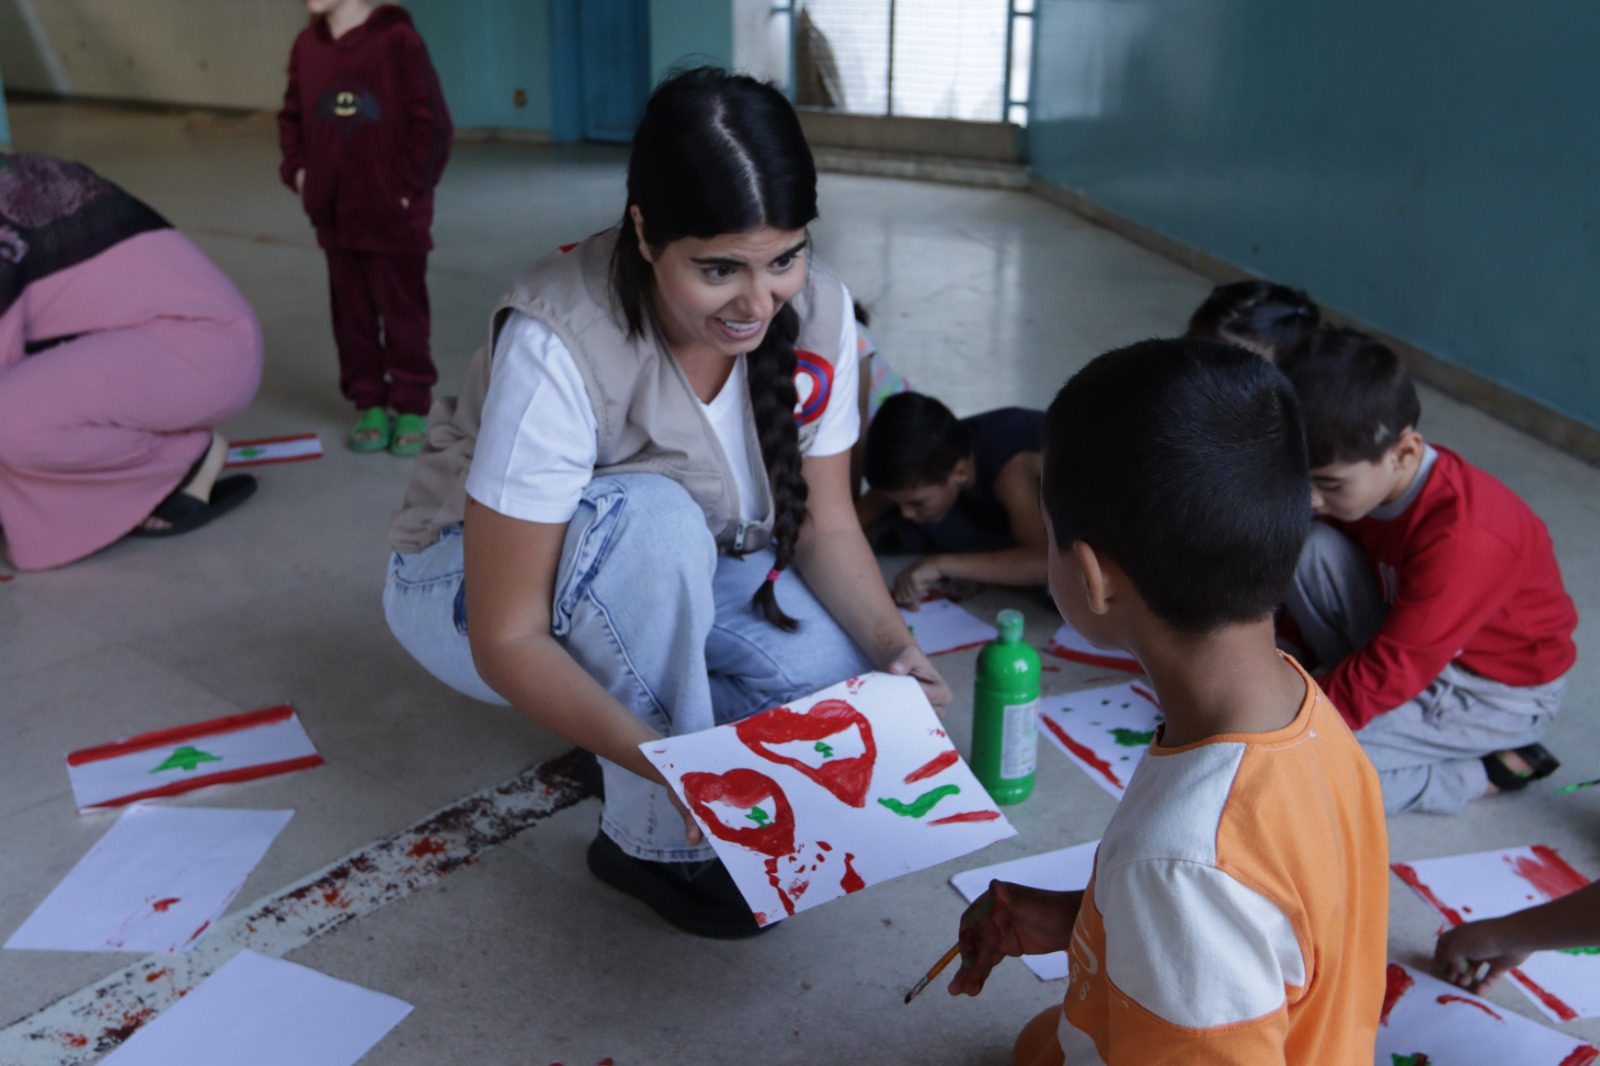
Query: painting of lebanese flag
x,y
293,449
1106,731
1068,643
238,747
1425,1021
854,785
1565,985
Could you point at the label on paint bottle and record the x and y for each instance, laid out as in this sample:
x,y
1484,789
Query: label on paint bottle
x,y
1019,751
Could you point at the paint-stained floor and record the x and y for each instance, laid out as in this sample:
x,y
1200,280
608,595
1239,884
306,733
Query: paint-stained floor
x,y
518,956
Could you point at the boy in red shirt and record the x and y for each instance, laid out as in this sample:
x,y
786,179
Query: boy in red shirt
x,y
365,135
1429,593
1238,909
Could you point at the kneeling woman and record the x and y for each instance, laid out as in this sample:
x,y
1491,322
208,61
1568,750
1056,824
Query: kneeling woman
x,y
601,530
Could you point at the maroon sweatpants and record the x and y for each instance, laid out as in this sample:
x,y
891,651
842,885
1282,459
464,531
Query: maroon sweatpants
x,y
380,325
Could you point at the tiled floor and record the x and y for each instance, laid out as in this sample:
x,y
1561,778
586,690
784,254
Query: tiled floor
x,y
982,297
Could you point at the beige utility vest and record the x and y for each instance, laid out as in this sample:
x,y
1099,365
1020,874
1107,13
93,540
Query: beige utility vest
x,y
648,417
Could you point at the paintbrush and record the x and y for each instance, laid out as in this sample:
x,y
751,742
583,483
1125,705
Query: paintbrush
x,y
1580,784
935,971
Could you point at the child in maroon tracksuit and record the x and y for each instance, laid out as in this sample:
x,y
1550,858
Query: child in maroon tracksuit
x,y
365,136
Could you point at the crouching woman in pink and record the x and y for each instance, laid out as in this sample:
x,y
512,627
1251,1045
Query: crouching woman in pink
x,y
121,348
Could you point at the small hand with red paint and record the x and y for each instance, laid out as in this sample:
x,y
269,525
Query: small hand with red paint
x,y
915,581
691,828
911,660
1462,954
1010,920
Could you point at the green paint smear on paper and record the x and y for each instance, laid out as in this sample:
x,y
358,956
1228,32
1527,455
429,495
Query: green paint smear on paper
x,y
1133,738
758,816
922,804
250,453
185,758
1579,951
827,752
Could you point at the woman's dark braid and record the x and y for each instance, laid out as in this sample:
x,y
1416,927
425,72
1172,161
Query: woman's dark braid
x,y
772,396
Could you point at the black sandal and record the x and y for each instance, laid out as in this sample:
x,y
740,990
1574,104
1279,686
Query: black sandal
x,y
1540,761
184,513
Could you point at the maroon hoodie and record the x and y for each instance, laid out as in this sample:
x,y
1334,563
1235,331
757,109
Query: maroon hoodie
x,y
366,119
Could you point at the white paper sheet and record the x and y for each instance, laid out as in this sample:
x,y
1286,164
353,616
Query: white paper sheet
x,y
1063,870
848,787
154,882
257,1011
1488,884
274,450
941,626
238,747
1447,1026
1106,731
1068,643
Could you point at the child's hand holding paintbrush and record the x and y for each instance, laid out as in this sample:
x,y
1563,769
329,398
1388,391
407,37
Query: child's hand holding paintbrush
x,y
1007,920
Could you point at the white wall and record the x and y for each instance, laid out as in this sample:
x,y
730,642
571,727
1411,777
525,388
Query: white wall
x,y
760,41
231,53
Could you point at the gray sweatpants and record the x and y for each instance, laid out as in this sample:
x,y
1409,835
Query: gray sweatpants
x,y
1427,751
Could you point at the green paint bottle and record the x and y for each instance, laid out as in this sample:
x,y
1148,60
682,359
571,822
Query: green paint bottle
x,y
1005,713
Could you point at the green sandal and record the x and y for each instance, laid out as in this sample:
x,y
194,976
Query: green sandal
x,y
410,434
373,432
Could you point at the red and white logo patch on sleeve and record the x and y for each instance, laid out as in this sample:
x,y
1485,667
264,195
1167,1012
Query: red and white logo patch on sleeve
x,y
813,386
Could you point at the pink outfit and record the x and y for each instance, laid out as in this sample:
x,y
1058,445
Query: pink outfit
x,y
96,430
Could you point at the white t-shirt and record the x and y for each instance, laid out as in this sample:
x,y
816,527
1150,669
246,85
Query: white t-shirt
x,y
538,442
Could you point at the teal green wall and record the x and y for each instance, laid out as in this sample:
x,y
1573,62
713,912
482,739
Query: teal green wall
x,y
5,127
484,52
1428,167
690,33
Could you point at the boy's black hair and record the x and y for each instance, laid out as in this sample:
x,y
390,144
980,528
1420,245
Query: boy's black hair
x,y
1184,461
1274,317
1355,395
914,440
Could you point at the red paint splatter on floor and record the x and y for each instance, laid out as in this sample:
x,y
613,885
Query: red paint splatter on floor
x,y
75,1040
1581,1056
1548,872
939,763
1396,984
1409,876
851,881
1447,998
1557,1007
130,1024
425,847
606,1062
1083,753
967,816
158,975
161,906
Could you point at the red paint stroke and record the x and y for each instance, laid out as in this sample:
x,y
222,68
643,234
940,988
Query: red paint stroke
x,y
1047,668
166,738
744,788
772,879
1396,984
161,906
824,845
939,763
1447,998
1547,872
1555,1005
158,975
1150,696
967,816
937,733
1112,662
1581,1056
855,684
606,1062
9,577
847,779
203,927
851,881
225,777
1083,753
958,647
233,464
1409,876
425,847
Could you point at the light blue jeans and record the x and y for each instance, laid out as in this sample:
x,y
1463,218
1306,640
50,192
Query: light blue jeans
x,y
1427,751
645,604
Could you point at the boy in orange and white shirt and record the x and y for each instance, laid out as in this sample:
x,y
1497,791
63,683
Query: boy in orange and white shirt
x,y
1239,905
